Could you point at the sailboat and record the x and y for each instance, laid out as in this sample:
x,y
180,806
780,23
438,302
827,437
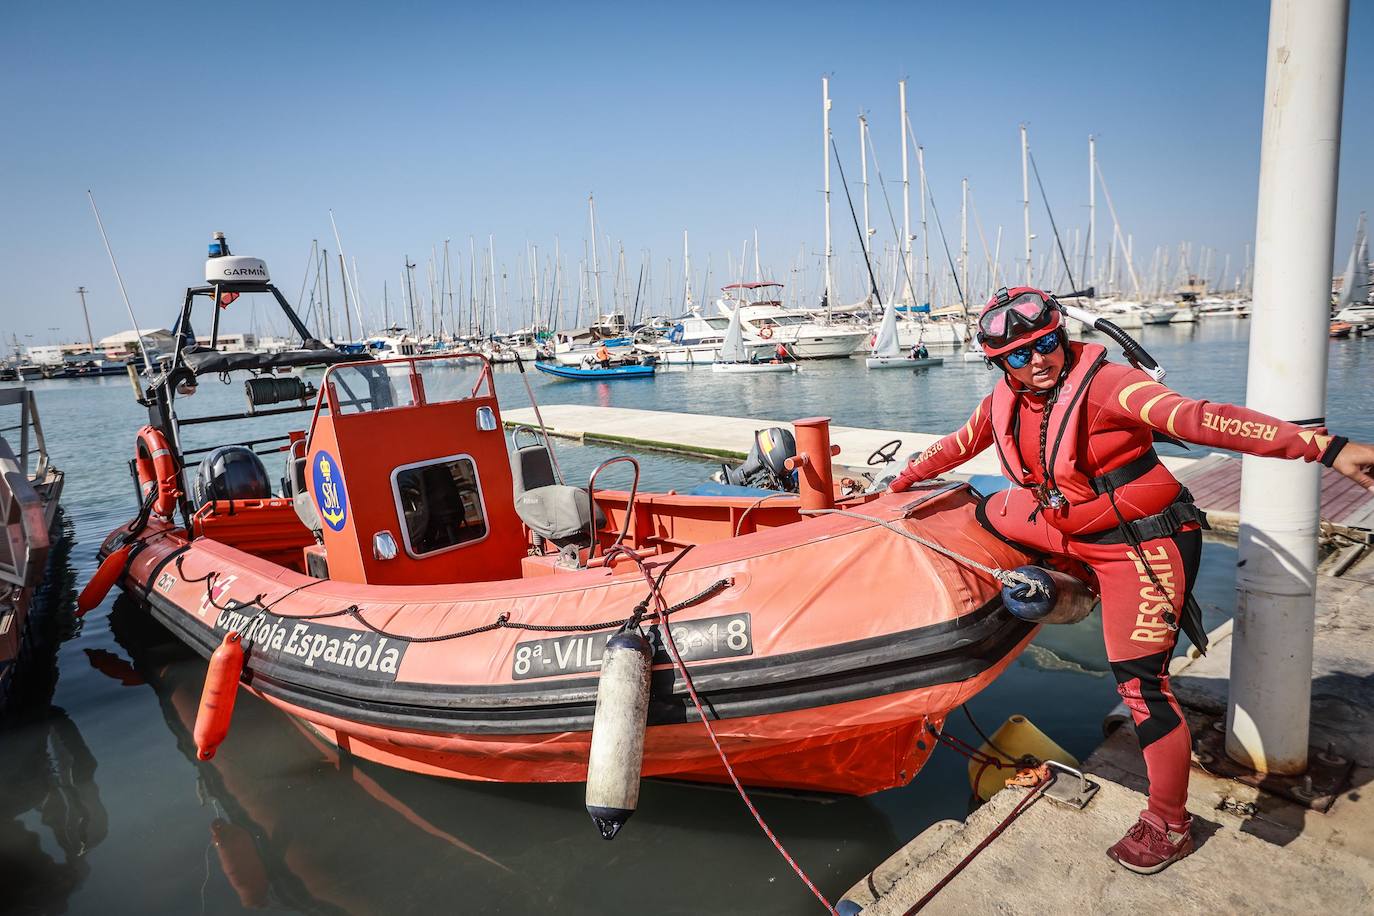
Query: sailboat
x,y
1354,305
886,352
734,357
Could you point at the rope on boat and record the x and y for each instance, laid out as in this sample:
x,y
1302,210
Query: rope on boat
x,y
656,594
1008,577
502,621
1036,777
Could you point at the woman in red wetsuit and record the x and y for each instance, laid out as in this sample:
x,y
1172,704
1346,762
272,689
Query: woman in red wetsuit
x,y
1075,433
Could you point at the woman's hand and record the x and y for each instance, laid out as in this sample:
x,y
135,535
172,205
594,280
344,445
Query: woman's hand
x,y
1356,461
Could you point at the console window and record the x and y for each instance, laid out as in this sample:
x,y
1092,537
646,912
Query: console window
x,y
440,505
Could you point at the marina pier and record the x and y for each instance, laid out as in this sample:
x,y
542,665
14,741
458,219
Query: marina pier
x,y
1213,478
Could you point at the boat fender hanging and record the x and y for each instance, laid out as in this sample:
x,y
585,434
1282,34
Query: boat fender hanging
x,y
217,697
617,751
1061,598
111,568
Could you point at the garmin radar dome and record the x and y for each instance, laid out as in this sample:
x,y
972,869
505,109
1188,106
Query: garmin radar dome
x,y
223,267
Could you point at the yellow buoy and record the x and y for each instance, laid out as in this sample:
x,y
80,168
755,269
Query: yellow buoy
x,y
1015,741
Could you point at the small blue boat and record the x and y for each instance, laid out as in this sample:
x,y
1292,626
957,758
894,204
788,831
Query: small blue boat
x,y
578,374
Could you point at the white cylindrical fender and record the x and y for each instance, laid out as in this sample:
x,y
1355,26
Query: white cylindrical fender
x,y
617,752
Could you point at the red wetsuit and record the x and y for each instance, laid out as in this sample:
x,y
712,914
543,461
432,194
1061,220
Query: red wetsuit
x,y
1121,408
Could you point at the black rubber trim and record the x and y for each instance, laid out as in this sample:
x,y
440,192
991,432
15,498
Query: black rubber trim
x,y
947,652
1129,472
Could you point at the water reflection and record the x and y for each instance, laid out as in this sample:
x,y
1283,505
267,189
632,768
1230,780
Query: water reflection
x,y
299,825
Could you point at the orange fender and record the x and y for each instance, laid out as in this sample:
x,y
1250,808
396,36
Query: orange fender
x,y
111,568
217,697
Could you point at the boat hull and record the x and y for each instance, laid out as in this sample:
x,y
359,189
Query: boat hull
x,y
818,697
592,375
753,368
902,362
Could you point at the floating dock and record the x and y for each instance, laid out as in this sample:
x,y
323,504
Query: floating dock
x,y
1283,845
1213,478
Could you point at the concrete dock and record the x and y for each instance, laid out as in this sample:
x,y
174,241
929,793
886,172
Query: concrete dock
x,y
1213,478
1264,847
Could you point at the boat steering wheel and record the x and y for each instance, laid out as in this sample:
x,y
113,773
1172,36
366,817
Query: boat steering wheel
x,y
884,453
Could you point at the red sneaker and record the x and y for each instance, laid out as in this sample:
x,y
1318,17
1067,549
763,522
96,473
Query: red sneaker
x,y
1151,846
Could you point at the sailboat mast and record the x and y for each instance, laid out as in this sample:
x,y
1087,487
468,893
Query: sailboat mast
x,y
686,274
906,185
925,236
863,165
348,319
90,338
1025,203
596,275
963,246
1092,211
758,263
328,306
825,152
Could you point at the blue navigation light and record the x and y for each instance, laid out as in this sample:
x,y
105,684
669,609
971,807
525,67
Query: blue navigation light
x,y
217,248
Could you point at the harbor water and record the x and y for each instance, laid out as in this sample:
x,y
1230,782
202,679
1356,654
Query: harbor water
x,y
106,808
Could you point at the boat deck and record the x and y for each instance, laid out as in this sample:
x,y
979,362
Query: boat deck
x,y
1213,478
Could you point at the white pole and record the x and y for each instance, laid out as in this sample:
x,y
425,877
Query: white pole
x,y
138,329
1267,714
1092,212
906,188
863,165
758,263
925,236
963,246
1025,202
596,275
686,274
825,151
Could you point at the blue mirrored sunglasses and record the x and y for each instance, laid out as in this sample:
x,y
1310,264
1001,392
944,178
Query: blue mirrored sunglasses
x,y
1046,345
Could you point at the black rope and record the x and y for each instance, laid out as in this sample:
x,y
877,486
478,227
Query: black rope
x,y
1050,213
863,243
503,620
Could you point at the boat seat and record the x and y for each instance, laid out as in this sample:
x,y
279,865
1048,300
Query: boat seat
x,y
557,513
299,494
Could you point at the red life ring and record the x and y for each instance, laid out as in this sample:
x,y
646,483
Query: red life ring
x,y
766,332
157,470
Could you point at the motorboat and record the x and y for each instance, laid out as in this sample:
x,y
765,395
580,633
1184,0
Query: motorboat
x,y
30,495
806,335
423,593
695,340
596,372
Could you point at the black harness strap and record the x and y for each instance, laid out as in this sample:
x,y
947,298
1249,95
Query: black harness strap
x,y
1127,473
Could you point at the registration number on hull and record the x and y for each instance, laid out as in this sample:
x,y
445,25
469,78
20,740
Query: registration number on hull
x,y
696,640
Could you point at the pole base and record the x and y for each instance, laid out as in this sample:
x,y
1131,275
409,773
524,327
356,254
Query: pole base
x,y
1327,776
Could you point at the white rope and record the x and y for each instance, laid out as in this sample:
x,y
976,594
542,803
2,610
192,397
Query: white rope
x,y
1008,577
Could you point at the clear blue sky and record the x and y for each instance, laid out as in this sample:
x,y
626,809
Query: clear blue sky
x,y
420,122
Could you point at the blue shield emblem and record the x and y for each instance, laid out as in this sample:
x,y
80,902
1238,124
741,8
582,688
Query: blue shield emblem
x,y
328,485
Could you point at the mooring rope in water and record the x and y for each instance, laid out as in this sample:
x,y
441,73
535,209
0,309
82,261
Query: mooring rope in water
x,y
655,590
1008,577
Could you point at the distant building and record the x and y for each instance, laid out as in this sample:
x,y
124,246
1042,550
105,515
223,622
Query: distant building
x,y
230,343
125,343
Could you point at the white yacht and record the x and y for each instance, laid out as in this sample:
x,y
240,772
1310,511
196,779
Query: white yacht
x,y
806,335
695,340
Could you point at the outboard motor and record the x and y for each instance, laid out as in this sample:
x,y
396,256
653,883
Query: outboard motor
x,y
230,472
765,466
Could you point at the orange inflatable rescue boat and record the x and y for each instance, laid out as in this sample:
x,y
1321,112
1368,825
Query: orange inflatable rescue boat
x,y
426,594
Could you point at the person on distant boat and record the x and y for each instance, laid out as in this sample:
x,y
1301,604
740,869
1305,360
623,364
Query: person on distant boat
x,y
1075,434
919,351
603,356
780,353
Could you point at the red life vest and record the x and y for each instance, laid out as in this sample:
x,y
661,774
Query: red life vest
x,y
1062,471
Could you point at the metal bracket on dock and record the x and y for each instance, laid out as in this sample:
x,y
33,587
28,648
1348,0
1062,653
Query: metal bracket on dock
x,y
1069,786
